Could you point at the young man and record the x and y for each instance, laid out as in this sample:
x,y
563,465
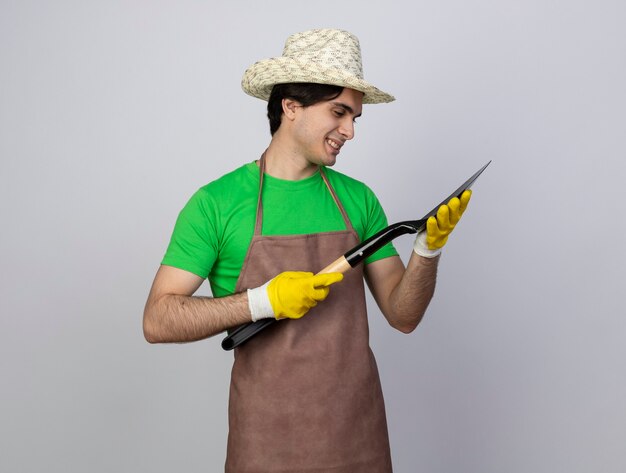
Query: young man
x,y
305,394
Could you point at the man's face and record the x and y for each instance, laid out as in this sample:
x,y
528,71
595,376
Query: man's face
x,y
321,130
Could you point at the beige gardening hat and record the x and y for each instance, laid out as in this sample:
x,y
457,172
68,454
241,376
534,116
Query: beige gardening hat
x,y
322,56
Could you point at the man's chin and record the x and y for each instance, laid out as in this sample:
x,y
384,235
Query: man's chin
x,y
329,161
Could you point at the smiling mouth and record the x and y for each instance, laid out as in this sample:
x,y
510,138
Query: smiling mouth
x,y
333,144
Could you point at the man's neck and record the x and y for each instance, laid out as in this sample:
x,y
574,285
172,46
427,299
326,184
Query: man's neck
x,y
285,162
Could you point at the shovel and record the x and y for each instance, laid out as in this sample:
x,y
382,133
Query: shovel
x,y
352,258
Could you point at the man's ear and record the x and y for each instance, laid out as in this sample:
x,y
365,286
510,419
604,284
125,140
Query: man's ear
x,y
289,108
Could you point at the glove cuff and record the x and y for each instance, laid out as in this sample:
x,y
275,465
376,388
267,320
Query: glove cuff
x,y
421,247
259,303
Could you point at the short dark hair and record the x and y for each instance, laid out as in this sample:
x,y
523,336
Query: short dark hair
x,y
304,93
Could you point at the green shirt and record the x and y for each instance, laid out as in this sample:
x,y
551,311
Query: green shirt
x,y
215,228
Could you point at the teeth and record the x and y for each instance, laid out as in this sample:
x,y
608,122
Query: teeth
x,y
333,144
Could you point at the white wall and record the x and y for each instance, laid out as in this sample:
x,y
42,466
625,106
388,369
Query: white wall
x,y
113,113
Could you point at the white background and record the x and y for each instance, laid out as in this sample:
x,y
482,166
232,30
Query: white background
x,y
113,113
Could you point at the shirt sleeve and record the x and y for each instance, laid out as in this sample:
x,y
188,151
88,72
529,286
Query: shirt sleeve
x,y
193,245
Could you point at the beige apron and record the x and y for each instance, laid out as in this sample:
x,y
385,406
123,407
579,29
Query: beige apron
x,y
305,395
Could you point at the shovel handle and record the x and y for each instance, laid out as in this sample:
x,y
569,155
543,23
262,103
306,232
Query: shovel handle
x,y
244,332
340,265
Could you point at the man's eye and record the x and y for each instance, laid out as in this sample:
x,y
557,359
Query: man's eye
x,y
339,113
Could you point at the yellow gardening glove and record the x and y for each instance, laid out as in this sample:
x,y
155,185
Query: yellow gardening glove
x,y
430,242
290,294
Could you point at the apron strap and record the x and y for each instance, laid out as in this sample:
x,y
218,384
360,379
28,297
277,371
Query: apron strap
x,y
258,225
344,214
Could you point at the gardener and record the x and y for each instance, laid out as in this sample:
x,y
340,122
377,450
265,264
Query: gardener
x,y
305,393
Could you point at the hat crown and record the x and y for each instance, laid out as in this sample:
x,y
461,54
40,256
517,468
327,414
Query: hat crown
x,y
330,48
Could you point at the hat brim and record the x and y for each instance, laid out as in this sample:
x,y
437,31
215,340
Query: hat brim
x,y
262,76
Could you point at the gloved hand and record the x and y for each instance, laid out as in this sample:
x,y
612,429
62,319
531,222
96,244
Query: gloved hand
x,y
429,243
290,294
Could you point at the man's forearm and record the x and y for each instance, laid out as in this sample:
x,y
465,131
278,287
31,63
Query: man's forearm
x,y
177,318
410,298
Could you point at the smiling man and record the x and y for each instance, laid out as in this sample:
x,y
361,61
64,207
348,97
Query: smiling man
x,y
311,135
305,394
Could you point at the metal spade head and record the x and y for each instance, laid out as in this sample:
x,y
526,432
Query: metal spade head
x,y
457,193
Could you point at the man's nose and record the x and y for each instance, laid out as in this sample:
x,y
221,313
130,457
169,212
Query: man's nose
x,y
346,129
